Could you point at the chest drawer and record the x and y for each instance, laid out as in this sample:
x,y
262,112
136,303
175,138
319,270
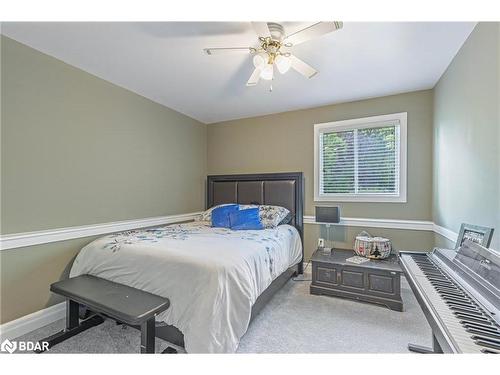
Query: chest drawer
x,y
384,284
353,279
325,274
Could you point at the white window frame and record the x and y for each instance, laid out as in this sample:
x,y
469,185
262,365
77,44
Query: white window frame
x,y
363,123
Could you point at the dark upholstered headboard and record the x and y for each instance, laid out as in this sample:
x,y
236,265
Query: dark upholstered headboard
x,y
279,189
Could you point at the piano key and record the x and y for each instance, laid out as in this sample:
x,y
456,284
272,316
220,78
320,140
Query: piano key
x,y
442,284
438,280
430,272
458,299
448,293
429,268
490,327
472,315
445,286
471,319
464,309
483,333
490,351
458,302
487,339
455,292
487,343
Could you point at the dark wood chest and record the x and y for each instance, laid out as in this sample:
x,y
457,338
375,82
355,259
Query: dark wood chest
x,y
375,281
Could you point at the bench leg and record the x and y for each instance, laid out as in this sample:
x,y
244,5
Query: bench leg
x,y
65,334
72,314
148,336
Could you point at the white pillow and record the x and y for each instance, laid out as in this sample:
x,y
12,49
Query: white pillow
x,y
270,216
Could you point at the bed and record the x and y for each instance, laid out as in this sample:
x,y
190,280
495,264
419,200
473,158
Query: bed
x,y
217,279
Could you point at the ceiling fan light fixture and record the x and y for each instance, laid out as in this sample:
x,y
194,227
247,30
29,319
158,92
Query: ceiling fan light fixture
x,y
283,63
271,37
267,72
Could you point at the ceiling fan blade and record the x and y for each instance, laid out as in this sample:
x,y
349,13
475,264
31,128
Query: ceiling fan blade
x,y
303,68
254,78
312,31
217,51
261,29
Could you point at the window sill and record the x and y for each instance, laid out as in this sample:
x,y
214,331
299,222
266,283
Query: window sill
x,y
361,199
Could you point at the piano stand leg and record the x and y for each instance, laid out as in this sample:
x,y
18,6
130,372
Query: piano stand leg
x,y
436,348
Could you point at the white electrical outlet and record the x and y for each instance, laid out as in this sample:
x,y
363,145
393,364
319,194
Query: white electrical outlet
x,y
321,242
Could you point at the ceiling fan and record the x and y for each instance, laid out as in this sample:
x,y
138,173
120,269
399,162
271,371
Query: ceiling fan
x,y
272,50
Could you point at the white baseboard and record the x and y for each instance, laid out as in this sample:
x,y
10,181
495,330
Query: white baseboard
x,y
28,323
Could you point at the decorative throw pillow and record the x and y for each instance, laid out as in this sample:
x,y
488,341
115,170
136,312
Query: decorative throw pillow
x,y
245,219
207,214
220,215
287,219
270,216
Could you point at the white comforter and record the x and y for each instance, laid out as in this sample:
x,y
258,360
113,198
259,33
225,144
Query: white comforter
x,y
212,276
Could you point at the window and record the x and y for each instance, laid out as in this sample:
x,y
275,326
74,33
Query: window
x,y
361,160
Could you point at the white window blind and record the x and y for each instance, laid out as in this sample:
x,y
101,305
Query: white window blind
x,y
360,158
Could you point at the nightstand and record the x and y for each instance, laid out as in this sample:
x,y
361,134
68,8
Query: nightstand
x,y
375,281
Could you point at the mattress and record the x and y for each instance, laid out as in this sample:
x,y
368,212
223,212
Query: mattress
x,y
212,276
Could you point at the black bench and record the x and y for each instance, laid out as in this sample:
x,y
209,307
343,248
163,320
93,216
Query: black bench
x,y
102,297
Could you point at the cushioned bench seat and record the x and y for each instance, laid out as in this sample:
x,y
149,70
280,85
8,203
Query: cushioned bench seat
x,y
120,302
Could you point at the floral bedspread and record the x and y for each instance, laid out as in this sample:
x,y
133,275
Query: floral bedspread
x,y
212,276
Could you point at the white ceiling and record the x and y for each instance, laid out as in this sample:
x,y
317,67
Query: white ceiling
x,y
165,62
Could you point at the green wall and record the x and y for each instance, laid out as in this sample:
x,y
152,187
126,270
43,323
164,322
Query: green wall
x,y
78,150
466,163
26,274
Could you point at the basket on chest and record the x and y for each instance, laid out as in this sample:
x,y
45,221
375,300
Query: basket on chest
x,y
372,247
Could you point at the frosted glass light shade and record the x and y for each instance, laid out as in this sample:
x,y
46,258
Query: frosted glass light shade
x,y
283,63
267,72
258,60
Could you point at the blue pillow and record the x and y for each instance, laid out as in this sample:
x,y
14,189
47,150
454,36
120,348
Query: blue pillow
x,y
245,219
220,215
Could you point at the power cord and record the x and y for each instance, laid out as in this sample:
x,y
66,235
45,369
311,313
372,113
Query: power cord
x,y
302,279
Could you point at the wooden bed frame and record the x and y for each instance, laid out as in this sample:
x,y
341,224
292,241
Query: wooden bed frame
x,y
279,189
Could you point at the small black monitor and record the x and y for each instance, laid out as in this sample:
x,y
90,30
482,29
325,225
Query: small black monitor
x,y
327,214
